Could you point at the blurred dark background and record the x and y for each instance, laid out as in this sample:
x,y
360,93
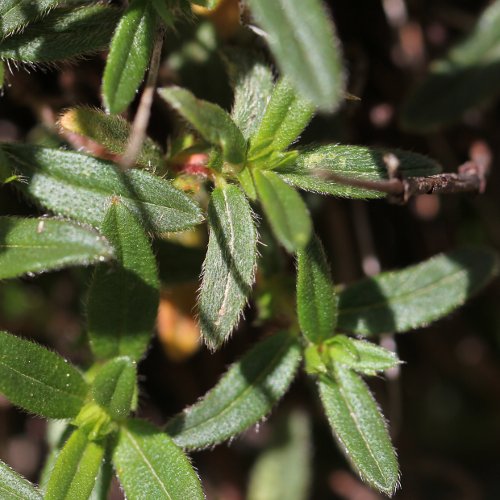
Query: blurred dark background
x,y
444,406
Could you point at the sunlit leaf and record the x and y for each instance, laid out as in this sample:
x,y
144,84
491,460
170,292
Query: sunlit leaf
x,y
129,55
315,170
14,486
112,132
76,468
360,429
316,300
38,380
229,267
150,465
303,41
285,210
414,297
211,121
81,187
243,396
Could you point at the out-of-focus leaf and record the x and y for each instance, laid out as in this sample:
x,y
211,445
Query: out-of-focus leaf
x,y
303,41
75,471
252,82
468,76
129,55
229,267
111,131
63,34
123,299
14,486
360,429
414,297
284,470
244,395
164,10
36,245
150,465
316,299
39,380
285,209
114,387
81,187
315,170
209,4
286,116
211,121
360,355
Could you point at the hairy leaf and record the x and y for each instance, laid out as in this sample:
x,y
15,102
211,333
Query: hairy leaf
x,y
286,116
123,299
76,468
129,55
315,170
16,14
252,82
38,380
229,267
302,39
360,355
414,297
360,429
316,300
81,187
284,469
211,121
114,387
112,132
150,465
285,209
13,486
244,395
468,76
63,34
35,245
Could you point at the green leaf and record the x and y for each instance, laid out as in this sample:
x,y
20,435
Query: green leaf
x,y
103,480
129,55
315,170
123,300
244,395
303,41
150,465
229,267
252,82
316,299
81,187
284,470
414,297
63,34
74,474
211,121
38,380
360,429
164,10
16,14
115,387
36,245
112,132
286,116
360,355
468,76
285,209
13,486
